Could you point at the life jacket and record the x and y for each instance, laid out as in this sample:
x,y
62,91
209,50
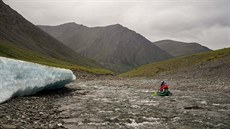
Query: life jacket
x,y
164,87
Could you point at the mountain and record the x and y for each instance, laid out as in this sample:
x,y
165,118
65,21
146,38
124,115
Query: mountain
x,y
17,31
115,47
186,62
10,50
176,48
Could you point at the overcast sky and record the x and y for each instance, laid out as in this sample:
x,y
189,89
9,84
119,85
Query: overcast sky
x,y
204,21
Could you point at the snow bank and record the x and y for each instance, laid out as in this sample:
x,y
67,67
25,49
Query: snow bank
x,y
19,78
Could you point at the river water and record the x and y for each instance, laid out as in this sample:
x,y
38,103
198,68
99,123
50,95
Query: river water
x,y
129,104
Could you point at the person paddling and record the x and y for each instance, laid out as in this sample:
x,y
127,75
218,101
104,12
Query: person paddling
x,y
164,89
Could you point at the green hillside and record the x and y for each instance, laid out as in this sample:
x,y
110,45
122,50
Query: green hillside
x,y
10,50
178,48
176,63
15,29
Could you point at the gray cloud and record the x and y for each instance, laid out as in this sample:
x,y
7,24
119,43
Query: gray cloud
x,y
203,21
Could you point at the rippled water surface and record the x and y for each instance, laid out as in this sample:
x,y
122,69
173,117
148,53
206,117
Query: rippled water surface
x,y
105,104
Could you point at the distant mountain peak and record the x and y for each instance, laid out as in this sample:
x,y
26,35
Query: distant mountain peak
x,y
170,41
71,24
167,40
115,47
117,25
178,48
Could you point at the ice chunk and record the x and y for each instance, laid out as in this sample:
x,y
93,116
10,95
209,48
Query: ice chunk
x,y
19,78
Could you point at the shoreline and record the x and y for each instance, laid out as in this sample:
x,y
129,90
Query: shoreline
x,y
39,110
35,111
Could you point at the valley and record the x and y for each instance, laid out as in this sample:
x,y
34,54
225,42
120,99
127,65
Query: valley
x,y
115,47
200,100
111,71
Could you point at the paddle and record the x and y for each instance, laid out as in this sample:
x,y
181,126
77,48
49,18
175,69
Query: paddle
x,y
154,93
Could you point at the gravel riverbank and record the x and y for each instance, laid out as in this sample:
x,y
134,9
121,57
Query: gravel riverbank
x,y
39,111
200,99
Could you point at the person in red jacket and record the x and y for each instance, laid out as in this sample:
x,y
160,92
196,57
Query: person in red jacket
x,y
164,89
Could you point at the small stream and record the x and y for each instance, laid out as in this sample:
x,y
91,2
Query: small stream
x,y
112,104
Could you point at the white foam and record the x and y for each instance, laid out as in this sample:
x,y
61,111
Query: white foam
x,y
216,104
134,124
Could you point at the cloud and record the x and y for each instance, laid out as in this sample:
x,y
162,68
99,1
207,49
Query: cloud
x,y
215,37
185,20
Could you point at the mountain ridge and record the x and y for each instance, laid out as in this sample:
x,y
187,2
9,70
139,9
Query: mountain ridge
x,y
114,47
170,66
178,48
22,33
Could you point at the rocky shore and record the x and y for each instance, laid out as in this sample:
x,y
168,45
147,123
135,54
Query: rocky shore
x,y
39,111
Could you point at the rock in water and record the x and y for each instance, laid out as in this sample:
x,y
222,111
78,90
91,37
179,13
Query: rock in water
x,y
19,78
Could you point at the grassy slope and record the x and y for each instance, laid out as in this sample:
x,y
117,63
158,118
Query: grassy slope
x,y
177,48
9,50
176,63
15,29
